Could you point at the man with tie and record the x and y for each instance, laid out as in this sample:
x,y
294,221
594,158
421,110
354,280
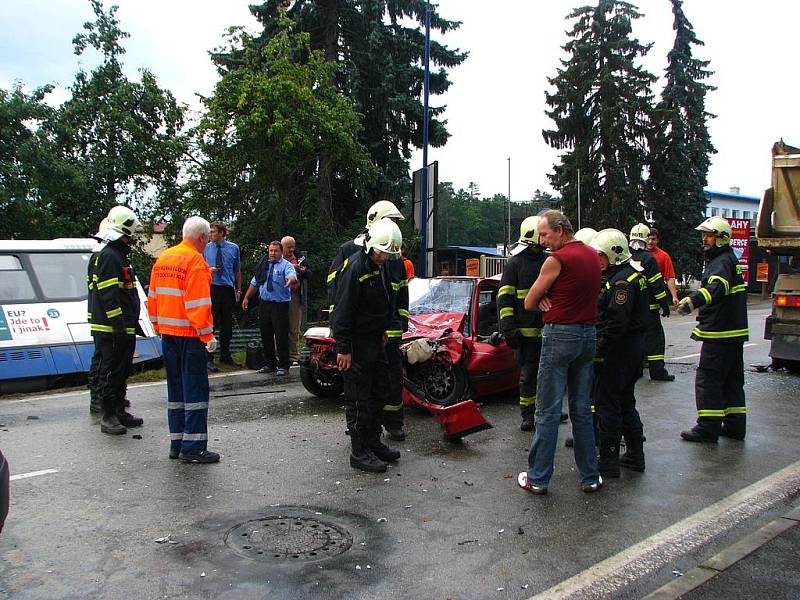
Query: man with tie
x,y
226,284
273,278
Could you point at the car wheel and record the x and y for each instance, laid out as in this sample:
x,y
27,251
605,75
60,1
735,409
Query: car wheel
x,y
445,383
322,385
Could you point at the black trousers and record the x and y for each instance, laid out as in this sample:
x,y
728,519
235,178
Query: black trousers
x,y
273,319
614,400
223,304
655,344
366,388
528,354
719,388
113,368
393,408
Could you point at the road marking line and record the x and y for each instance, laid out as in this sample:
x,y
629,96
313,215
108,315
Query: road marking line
x,y
698,354
606,578
33,474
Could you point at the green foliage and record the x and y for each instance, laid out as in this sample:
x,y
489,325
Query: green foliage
x,y
681,148
601,108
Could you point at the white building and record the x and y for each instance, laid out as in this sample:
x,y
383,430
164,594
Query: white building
x,y
732,205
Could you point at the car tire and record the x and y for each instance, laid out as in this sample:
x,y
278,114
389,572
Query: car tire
x,y
324,386
446,384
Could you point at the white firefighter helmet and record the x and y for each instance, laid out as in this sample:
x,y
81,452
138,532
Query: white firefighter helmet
x,y
383,209
585,235
613,244
719,227
528,234
638,236
121,220
103,231
385,237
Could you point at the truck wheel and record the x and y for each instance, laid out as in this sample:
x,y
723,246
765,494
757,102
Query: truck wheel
x,y
324,386
793,366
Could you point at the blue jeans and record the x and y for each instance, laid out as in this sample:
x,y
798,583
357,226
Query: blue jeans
x,y
566,363
186,363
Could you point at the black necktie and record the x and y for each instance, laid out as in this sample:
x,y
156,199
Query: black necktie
x,y
218,264
269,276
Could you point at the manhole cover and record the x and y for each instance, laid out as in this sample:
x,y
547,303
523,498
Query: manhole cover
x,y
290,538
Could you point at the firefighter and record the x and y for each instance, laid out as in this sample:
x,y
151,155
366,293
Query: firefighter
x,y
523,329
392,416
722,328
657,300
114,319
360,318
585,235
621,317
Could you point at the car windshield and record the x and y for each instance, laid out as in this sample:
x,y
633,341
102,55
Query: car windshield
x,y
429,296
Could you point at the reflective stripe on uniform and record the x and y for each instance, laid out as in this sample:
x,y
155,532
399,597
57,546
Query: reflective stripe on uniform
x,y
521,293
368,275
506,289
101,328
654,278
706,294
400,284
101,285
715,335
176,436
717,414
736,410
660,295
654,307
168,291
392,407
403,312
723,281
114,312
506,312
174,405
527,400
194,437
737,288
176,322
394,333
530,331
196,303
331,276
205,330
655,357
632,276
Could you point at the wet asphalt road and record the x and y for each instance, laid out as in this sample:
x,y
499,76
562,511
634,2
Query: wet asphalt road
x,y
446,521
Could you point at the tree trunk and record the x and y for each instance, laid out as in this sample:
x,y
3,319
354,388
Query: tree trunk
x,y
330,20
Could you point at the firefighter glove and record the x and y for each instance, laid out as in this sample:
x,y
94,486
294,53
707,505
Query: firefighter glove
x,y
665,311
512,338
685,306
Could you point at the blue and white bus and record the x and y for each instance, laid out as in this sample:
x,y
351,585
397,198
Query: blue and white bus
x,y
44,332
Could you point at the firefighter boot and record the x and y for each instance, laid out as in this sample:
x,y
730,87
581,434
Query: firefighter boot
x,y
128,420
95,408
634,455
110,424
361,457
734,429
382,451
608,465
528,423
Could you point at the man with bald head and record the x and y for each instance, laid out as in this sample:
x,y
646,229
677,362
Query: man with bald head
x,y
299,294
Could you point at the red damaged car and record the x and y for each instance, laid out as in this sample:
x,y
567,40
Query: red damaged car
x,y
453,352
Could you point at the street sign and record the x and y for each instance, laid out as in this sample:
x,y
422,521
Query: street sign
x,y
762,272
740,242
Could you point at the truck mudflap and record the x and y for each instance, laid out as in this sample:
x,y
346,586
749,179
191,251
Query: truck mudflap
x,y
457,420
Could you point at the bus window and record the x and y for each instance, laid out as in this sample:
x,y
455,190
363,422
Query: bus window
x,y
16,285
61,276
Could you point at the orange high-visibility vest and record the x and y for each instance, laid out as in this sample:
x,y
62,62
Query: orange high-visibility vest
x,y
179,297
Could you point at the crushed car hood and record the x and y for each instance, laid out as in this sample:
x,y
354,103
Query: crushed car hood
x,y
433,326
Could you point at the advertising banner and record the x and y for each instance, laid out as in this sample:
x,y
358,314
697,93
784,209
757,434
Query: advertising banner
x,y
740,242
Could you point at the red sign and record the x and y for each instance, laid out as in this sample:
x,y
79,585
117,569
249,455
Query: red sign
x,y
762,272
740,242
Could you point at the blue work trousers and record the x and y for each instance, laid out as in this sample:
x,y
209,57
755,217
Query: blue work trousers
x,y
186,362
565,364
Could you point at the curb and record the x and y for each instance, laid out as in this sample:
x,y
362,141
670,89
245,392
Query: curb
x,y
722,561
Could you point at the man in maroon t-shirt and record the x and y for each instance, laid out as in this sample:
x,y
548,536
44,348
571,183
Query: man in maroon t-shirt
x,y
566,291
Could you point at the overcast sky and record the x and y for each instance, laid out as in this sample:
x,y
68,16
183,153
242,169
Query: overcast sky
x,y
495,107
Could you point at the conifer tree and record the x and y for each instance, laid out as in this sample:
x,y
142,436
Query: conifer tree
x,y
601,108
681,149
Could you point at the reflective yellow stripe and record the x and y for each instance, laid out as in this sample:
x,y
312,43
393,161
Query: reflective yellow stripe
x,y
608,285
101,328
660,296
656,357
723,281
530,332
402,312
521,293
711,413
714,335
739,269
331,276
706,294
392,407
506,312
368,275
632,276
330,308
654,278
737,288
527,400
736,410
506,289
400,284
115,312
394,333
101,285
654,307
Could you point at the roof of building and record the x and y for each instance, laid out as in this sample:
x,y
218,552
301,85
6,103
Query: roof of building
x,y
730,196
479,249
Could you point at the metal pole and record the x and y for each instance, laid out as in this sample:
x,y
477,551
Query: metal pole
x,y
579,199
508,227
424,254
